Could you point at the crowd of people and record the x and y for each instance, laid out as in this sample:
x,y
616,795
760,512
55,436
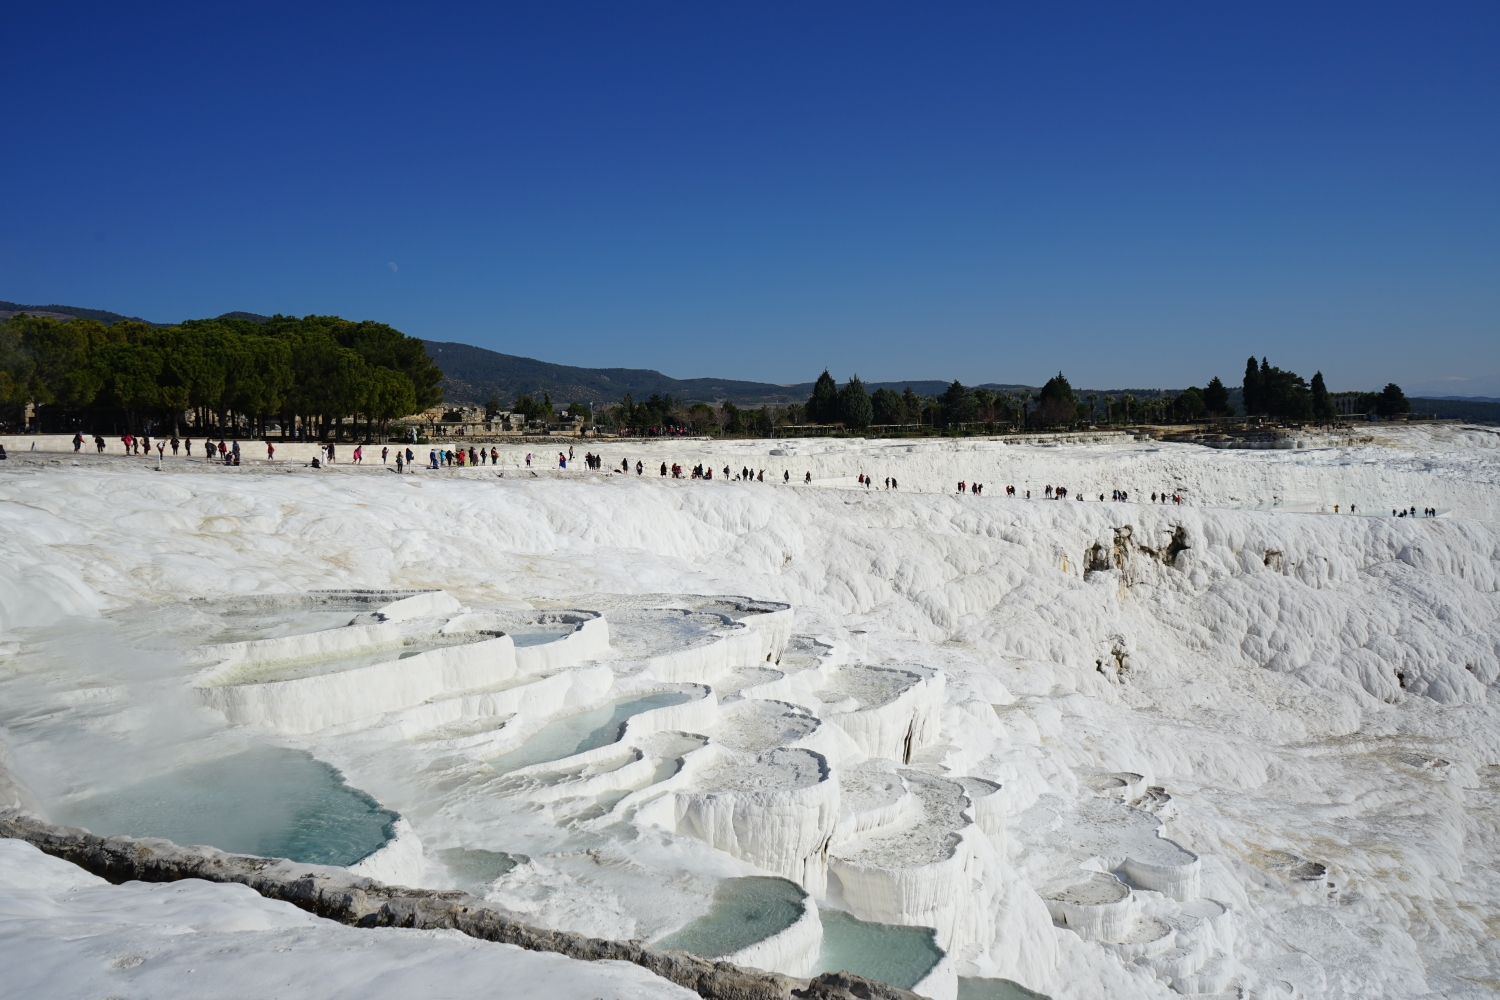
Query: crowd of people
x,y
462,457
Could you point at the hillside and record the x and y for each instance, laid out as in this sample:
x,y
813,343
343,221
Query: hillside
x,y
473,374
9,309
1476,410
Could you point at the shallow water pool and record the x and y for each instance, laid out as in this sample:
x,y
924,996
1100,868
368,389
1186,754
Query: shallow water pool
x,y
475,870
887,953
745,911
995,989
585,731
268,801
243,626
539,634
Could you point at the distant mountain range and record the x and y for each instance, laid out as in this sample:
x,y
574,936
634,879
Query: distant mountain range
x,y
471,375
9,309
1478,410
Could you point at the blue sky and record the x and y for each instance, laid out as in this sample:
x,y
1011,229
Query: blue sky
x,y
1139,195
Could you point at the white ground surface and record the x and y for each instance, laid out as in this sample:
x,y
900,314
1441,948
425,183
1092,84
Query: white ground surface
x,y
66,933
1293,690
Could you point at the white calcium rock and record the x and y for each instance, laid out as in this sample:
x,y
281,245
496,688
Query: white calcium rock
x,y
398,861
307,704
1096,905
775,809
889,711
931,868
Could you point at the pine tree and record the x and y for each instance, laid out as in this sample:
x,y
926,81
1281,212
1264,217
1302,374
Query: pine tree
x,y
854,404
823,405
886,406
911,406
1253,398
1322,403
1392,401
1056,403
1216,397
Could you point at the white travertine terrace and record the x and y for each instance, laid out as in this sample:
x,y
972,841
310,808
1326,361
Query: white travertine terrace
x,y
1117,881
775,809
1098,748
313,681
924,868
888,711
745,753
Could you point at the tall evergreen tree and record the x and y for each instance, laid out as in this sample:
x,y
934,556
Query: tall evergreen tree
x,y
823,404
1252,387
854,404
911,406
1056,403
958,405
1391,401
1322,403
1281,393
886,407
1216,398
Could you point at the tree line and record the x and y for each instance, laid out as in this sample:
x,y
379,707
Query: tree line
x,y
1275,392
213,376
1267,391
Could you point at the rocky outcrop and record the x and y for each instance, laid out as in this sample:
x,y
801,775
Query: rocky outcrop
x,y
336,894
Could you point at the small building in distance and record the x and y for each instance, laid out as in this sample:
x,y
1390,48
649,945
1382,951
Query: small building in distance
x,y
470,422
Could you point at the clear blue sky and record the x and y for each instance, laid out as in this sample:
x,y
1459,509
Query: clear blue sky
x,y
1138,194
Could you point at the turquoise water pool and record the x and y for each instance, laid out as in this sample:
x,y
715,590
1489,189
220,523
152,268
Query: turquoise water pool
x,y
995,989
269,801
475,870
745,911
887,953
536,635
